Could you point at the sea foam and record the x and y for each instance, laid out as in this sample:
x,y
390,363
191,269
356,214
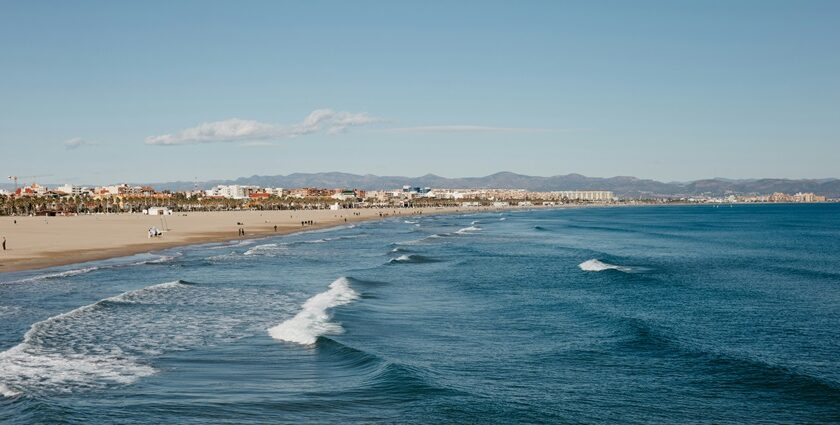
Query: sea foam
x,y
55,355
314,318
411,258
468,230
56,275
594,265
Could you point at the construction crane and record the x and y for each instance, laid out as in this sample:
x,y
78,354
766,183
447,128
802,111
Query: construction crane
x,y
15,179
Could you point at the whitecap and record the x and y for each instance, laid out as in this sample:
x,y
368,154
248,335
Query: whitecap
x,y
8,392
314,318
55,355
468,230
55,275
595,265
261,249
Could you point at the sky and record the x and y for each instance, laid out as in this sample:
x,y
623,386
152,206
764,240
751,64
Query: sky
x,y
95,92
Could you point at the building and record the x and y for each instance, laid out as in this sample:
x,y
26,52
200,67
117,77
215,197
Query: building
x,y
69,189
157,211
233,191
586,195
344,195
33,190
275,191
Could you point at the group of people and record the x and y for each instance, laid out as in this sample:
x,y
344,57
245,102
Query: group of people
x,y
307,223
154,232
241,231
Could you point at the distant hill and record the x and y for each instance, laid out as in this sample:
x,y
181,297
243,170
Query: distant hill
x,y
621,185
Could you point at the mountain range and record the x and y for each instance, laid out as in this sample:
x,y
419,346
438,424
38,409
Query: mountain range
x,y
621,185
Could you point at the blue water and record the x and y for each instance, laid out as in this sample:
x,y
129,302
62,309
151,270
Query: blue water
x,y
674,314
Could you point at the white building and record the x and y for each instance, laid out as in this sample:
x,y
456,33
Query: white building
x,y
233,191
586,195
70,189
157,211
344,195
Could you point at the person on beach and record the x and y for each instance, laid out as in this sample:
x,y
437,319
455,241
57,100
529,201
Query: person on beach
x,y
275,227
4,243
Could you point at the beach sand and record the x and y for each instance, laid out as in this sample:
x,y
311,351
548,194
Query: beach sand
x,y
38,242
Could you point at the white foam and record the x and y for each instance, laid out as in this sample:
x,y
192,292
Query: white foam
x,y
83,270
60,354
468,230
594,265
402,258
261,249
503,219
56,275
314,318
8,392
161,259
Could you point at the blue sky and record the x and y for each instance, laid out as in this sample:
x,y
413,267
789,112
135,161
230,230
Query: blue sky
x,y
97,92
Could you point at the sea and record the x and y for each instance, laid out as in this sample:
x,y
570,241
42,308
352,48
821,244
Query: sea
x,y
625,315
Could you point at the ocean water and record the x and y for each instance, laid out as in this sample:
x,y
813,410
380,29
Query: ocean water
x,y
678,314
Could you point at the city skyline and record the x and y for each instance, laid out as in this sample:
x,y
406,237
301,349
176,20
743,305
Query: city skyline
x,y
158,92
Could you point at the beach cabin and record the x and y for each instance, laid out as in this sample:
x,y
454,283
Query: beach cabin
x,y
157,211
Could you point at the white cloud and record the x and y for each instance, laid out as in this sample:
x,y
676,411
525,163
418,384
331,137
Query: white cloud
x,y
239,130
77,142
463,129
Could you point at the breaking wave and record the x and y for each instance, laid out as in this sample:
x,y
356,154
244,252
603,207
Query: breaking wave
x,y
55,275
468,230
411,258
595,265
314,318
264,249
84,270
64,352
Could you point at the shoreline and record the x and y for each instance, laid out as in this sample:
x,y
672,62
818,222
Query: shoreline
x,y
61,241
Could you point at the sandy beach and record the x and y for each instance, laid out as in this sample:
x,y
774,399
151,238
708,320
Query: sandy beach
x,y
39,242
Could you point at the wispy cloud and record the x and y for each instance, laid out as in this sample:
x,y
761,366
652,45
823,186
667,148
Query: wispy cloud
x,y
239,130
77,142
462,128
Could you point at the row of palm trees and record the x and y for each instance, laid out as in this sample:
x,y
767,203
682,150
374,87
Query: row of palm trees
x,y
85,204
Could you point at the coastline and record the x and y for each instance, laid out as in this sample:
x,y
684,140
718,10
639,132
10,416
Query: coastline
x,y
43,242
